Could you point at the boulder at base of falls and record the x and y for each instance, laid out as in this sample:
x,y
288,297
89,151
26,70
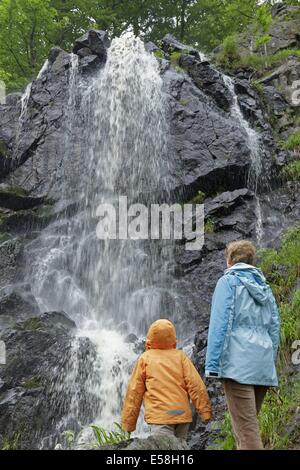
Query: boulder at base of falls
x,y
40,354
17,304
153,442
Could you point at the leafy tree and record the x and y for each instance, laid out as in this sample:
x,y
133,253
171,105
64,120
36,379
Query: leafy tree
x,y
26,28
75,17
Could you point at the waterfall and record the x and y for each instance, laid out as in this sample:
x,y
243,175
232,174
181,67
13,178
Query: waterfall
x,y
43,69
24,101
256,166
111,288
22,117
24,108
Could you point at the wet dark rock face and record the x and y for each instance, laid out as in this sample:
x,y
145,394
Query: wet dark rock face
x,y
31,407
209,152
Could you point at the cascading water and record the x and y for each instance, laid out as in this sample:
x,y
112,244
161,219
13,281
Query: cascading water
x,y
111,287
23,116
256,167
43,69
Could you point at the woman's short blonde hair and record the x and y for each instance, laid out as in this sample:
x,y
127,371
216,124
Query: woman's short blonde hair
x,y
240,252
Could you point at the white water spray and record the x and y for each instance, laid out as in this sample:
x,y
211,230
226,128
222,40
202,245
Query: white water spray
x,y
115,287
43,69
254,145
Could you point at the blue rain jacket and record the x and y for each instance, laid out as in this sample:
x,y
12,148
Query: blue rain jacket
x,y
244,328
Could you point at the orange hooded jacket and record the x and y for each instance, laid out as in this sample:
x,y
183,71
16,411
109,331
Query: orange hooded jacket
x,y
165,378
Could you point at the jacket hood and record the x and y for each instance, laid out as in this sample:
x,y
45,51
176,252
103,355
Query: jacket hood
x,y
161,335
253,279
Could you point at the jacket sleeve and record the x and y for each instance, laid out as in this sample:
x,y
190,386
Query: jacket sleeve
x,y
134,396
196,389
274,329
222,304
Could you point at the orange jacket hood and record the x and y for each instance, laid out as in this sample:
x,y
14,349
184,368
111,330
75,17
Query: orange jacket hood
x,y
161,335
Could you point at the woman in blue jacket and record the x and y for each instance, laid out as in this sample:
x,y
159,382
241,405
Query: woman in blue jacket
x,y
243,339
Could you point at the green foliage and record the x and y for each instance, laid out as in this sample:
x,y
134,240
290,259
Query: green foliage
x,y
230,46
198,199
261,40
282,269
288,254
28,28
31,324
17,190
229,56
293,142
225,439
104,437
33,382
278,408
211,21
276,412
69,437
26,32
209,226
12,443
263,18
257,62
159,54
290,327
282,266
174,59
276,59
292,171
258,87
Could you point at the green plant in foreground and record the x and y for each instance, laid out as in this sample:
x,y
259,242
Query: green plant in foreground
x,y
262,40
293,142
282,266
258,87
282,269
277,410
198,199
292,171
233,59
225,440
209,226
229,55
159,54
104,437
12,443
70,437
174,59
274,417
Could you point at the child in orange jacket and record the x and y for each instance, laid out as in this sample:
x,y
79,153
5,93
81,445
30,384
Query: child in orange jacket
x,y
165,378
